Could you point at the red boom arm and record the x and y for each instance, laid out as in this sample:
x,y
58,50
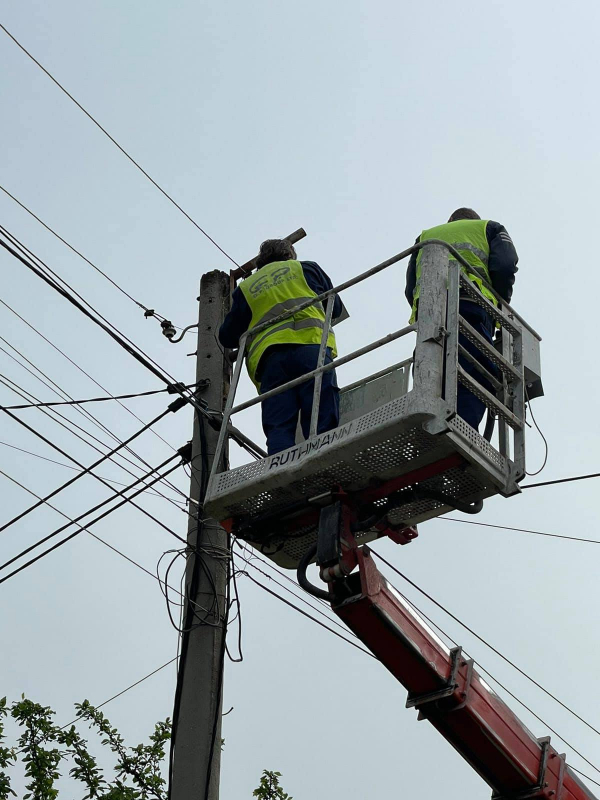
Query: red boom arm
x,y
448,692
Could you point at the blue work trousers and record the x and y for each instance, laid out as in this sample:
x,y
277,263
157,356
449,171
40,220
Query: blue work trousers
x,y
469,407
283,363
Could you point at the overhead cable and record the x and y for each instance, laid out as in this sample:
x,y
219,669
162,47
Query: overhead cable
x,y
302,599
483,641
101,480
520,530
71,521
80,254
53,279
492,677
93,399
80,368
84,471
83,412
73,300
213,418
561,480
69,466
75,522
314,619
114,141
501,685
88,525
583,775
62,421
127,689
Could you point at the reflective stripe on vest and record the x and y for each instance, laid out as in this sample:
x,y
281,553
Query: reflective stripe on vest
x,y
468,236
274,289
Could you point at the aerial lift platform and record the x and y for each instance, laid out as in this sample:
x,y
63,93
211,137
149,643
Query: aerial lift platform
x,y
401,456
400,453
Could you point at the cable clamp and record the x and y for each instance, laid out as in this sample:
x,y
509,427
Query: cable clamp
x,y
186,453
180,402
176,388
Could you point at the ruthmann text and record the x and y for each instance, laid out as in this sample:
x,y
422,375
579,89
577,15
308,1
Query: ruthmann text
x,y
296,453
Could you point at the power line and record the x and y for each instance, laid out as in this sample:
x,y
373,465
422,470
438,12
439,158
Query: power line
x,y
77,366
113,332
106,327
163,666
483,641
80,254
89,525
71,521
92,399
520,530
532,712
561,480
127,689
58,391
75,522
83,412
85,470
122,149
41,407
305,614
143,510
137,683
19,392
583,775
68,466
501,685
68,425
492,677
297,596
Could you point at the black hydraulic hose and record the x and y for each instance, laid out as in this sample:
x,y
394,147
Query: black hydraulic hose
x,y
489,426
303,580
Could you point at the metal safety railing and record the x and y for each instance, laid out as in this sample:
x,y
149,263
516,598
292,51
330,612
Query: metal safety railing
x,y
508,403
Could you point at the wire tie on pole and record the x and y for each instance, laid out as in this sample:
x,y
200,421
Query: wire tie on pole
x,y
176,388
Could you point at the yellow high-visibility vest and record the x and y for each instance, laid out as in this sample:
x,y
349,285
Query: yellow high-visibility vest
x,y
468,236
273,289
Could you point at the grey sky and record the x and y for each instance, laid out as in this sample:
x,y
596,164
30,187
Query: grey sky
x,y
364,123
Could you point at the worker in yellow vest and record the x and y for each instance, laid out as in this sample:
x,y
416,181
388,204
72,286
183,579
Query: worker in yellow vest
x,y
492,259
288,348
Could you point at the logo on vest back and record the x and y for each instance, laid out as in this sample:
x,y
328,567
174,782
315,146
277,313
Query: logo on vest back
x,y
262,283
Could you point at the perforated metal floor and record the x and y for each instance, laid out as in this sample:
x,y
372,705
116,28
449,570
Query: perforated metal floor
x,y
287,550
370,450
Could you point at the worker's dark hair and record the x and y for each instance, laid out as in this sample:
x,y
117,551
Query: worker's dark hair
x,y
274,250
463,213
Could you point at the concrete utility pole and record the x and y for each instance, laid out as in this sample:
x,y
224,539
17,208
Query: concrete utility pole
x,y
197,744
197,747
